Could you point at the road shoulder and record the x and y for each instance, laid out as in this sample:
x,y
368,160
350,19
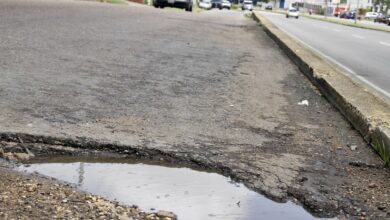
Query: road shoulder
x,y
367,112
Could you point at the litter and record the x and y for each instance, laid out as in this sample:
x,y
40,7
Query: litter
x,y
304,102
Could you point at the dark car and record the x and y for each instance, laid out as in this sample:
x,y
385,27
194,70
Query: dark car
x,y
348,14
186,4
216,4
383,19
268,7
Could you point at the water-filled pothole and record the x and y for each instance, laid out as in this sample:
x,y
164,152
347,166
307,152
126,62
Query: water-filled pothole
x,y
191,194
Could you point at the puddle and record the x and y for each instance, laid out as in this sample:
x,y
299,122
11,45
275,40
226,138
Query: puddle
x,y
191,194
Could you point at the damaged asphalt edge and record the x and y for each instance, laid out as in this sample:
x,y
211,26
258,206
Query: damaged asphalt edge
x,y
340,90
91,144
178,158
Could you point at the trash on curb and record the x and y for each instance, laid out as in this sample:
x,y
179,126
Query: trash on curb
x,y
304,102
353,147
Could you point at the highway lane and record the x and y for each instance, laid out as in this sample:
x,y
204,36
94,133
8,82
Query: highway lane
x,y
364,54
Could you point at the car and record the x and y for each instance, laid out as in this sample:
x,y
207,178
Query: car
x,y
292,12
338,11
205,4
343,14
216,4
268,7
348,14
226,4
247,5
186,4
383,19
372,14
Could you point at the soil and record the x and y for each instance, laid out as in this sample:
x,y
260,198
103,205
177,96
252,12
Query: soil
x,y
33,196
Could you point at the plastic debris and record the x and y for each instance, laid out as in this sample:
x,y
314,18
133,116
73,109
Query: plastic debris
x,y
304,102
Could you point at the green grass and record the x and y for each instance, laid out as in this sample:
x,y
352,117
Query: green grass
x,y
380,148
235,7
195,8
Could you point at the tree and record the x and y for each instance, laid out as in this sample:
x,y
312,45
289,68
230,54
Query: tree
x,y
384,5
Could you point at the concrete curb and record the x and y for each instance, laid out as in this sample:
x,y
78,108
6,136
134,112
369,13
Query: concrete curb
x,y
367,112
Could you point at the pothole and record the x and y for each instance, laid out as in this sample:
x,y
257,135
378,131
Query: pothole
x,y
192,194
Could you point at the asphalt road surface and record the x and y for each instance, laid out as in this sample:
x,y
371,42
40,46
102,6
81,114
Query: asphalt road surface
x,y
207,88
362,53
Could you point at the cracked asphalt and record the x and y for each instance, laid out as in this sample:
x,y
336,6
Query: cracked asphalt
x,y
211,87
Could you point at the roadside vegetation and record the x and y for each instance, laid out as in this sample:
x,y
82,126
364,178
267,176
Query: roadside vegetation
x,y
339,21
380,147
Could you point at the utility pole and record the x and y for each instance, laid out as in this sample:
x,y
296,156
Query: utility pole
x,y
357,11
326,9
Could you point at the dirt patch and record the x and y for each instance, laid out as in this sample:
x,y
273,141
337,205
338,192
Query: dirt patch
x,y
35,197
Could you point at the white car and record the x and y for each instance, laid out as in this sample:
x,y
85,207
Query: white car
x,y
247,5
205,4
372,14
226,4
292,12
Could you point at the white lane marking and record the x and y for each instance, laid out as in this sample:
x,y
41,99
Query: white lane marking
x,y
385,43
336,30
358,36
361,78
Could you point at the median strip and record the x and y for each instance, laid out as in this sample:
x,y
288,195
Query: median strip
x,y
367,112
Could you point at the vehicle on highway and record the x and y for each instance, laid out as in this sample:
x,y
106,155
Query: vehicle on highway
x,y
226,4
383,19
247,5
268,7
205,4
292,12
372,14
185,4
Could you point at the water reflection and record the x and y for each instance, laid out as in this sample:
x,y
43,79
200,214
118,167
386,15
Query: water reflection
x,y
189,193
81,174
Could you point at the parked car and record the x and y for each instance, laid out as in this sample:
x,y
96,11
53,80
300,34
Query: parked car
x,y
292,12
216,4
383,19
226,4
268,7
372,14
338,11
247,5
348,14
205,4
186,4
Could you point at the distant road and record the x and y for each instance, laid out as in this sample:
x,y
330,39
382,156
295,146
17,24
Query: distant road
x,y
365,54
